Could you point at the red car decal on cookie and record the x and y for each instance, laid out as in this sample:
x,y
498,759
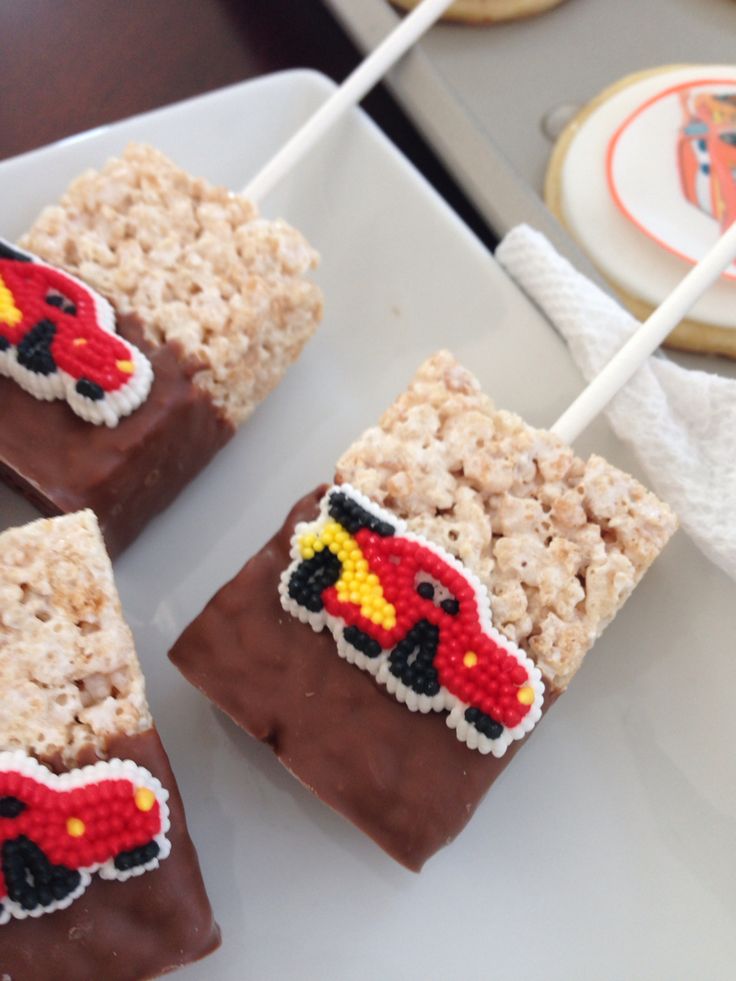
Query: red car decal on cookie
x,y
58,341
706,153
56,831
412,615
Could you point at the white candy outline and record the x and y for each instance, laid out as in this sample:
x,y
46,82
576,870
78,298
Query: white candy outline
x,y
115,769
378,666
108,410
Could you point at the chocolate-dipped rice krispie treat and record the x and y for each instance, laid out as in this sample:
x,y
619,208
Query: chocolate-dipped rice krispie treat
x,y
173,310
463,564
98,875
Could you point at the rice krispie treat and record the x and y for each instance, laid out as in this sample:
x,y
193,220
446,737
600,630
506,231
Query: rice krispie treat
x,y
461,566
99,877
162,310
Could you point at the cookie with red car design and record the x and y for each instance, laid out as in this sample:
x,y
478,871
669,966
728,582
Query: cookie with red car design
x,y
413,616
58,341
644,177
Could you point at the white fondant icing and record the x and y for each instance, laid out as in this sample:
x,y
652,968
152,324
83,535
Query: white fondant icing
x,y
624,253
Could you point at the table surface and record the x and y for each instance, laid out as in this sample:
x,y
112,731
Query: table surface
x,y
69,67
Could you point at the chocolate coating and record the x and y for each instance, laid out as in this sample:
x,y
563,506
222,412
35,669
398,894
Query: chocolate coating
x,y
401,777
122,931
127,474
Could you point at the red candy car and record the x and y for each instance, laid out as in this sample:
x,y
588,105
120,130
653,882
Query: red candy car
x,y
56,831
412,615
57,340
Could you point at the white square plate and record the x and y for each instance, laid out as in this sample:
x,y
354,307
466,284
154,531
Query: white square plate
x,y
607,848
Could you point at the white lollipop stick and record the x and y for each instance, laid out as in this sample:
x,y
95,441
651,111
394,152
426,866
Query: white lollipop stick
x,y
352,90
647,339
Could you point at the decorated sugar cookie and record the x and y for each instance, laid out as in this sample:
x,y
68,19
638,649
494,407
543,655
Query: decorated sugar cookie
x,y
645,179
58,341
56,831
413,616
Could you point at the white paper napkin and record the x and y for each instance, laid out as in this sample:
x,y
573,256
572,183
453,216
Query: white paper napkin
x,y
681,423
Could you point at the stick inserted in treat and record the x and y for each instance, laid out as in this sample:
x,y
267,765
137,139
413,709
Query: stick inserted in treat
x,y
398,689
646,340
352,90
593,399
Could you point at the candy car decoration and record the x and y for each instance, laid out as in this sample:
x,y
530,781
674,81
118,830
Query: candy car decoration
x,y
412,615
706,153
56,831
58,341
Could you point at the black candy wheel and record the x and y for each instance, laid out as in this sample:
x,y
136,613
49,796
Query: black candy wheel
x,y
125,861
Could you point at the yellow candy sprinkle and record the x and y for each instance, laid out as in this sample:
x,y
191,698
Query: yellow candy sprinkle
x,y
525,695
470,660
127,367
357,584
144,798
79,341
75,827
9,312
